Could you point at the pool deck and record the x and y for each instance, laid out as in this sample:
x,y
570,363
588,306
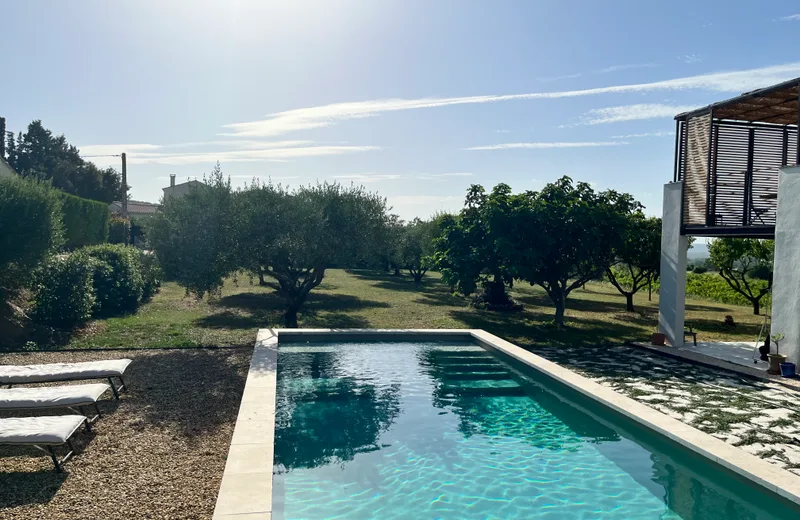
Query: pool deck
x,y
246,489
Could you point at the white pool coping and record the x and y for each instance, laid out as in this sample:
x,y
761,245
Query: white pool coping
x,y
246,489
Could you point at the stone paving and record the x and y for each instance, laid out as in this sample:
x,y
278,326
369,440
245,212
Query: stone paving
x,y
760,417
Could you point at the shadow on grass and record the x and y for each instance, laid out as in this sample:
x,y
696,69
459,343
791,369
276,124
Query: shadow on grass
x,y
704,325
254,310
191,391
527,329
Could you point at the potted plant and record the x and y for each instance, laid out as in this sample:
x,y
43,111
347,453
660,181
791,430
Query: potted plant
x,y
777,358
658,338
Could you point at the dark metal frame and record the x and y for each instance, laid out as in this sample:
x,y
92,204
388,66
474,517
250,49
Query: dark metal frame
x,y
49,449
114,389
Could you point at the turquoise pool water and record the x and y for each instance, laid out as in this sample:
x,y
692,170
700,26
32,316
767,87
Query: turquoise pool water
x,y
424,430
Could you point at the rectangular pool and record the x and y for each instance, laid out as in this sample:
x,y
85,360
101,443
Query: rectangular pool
x,y
446,429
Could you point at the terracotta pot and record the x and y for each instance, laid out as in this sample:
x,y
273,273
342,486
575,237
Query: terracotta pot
x,y
775,361
657,338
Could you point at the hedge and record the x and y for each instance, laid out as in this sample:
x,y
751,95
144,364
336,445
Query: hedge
x,y
63,294
85,221
119,230
30,228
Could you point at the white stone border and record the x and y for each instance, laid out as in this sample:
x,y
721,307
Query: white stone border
x,y
246,489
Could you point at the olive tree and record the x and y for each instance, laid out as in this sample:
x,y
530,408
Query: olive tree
x,y
739,260
565,235
416,247
638,257
293,237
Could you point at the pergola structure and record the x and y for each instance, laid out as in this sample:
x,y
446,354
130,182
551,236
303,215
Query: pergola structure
x,y
736,174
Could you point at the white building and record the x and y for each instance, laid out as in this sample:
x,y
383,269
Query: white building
x,y
737,174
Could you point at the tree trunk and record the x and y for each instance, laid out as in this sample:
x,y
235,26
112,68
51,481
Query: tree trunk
x,y
649,291
290,317
629,302
756,306
559,317
397,271
261,278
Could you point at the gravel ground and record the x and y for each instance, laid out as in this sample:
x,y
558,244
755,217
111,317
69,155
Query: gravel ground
x,y
157,454
761,417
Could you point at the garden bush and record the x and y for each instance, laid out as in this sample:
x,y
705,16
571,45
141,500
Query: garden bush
x,y
151,275
85,221
30,229
119,230
63,294
118,282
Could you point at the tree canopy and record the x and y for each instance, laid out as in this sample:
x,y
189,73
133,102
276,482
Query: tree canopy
x,y
638,257
565,235
40,155
416,247
470,252
289,238
738,260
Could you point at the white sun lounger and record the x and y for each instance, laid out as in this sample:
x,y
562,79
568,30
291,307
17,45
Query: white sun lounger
x,y
42,433
74,397
106,369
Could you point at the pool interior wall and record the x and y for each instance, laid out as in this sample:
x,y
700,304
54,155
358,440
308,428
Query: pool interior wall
x,y
637,467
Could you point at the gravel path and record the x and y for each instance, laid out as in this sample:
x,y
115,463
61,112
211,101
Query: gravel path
x,y
758,416
158,454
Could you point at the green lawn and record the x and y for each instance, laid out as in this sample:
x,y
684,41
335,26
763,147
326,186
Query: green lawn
x,y
595,315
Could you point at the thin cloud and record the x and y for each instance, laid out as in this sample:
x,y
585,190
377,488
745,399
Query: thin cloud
x,y
268,154
557,78
691,58
501,131
244,144
326,115
616,68
646,134
635,112
791,18
510,146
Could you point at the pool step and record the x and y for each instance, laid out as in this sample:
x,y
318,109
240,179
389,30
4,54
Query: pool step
x,y
476,376
471,368
502,391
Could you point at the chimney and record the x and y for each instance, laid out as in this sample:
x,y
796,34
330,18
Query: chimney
x,y
171,180
2,137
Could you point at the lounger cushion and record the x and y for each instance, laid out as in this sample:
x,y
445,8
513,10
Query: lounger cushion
x,y
17,374
39,430
51,396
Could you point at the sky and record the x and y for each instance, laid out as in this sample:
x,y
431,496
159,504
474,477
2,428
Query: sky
x,y
414,99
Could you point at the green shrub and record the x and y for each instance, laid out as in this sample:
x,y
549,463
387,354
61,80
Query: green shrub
x,y
119,230
151,275
118,282
699,269
30,229
63,294
85,221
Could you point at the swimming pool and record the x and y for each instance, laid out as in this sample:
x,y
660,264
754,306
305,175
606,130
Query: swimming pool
x,y
446,429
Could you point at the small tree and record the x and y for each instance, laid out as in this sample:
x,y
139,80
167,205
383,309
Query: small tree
x,y
194,237
470,252
416,247
566,235
738,259
638,258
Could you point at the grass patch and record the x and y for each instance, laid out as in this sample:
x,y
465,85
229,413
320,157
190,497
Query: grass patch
x,y
595,315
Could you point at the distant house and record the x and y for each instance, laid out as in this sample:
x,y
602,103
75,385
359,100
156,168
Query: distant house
x,y
5,169
136,208
179,190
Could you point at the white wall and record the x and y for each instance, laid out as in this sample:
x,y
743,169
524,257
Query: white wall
x,y
672,294
786,281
